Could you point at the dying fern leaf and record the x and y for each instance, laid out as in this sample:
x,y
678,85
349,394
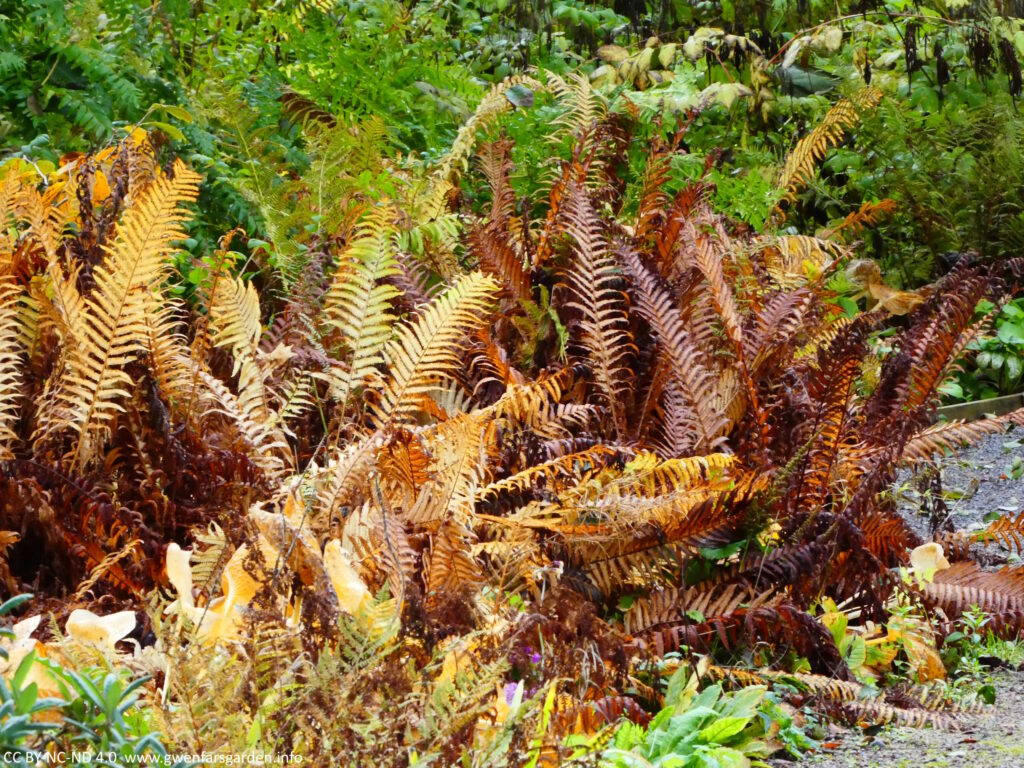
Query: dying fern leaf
x,y
359,302
91,388
10,364
596,294
690,378
426,350
801,163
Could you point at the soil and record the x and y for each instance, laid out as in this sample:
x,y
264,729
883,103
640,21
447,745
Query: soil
x,y
976,484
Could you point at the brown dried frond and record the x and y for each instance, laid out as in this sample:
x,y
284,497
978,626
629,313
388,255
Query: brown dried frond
x,y
595,286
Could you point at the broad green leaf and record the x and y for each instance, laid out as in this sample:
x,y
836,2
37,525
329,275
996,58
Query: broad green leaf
x,y
175,111
723,729
167,128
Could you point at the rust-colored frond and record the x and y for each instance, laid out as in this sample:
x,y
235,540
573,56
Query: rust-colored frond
x,y
1007,530
674,605
783,624
690,378
494,252
868,215
603,327
949,436
872,713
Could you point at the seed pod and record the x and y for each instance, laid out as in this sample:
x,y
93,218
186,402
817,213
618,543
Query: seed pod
x,y
1012,66
941,68
910,47
979,51
867,72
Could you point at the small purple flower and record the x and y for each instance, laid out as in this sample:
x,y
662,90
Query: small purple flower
x,y
510,692
535,658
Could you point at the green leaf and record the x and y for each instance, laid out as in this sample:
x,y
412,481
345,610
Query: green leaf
x,y
167,128
858,652
175,111
519,96
723,729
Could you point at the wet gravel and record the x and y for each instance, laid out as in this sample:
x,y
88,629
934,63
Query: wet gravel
x,y
976,484
991,740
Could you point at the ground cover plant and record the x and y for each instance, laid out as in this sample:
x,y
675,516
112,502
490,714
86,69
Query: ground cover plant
x,y
497,445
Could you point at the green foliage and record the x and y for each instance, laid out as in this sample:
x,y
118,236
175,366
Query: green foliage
x,y
97,712
995,359
710,728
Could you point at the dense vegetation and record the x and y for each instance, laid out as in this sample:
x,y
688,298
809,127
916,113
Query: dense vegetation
x,y
497,383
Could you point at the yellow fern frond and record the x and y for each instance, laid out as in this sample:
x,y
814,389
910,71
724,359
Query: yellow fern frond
x,y
113,325
235,319
795,260
427,349
451,493
10,363
359,304
801,164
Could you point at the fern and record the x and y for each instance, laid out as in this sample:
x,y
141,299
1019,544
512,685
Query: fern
x,y
691,378
801,163
10,364
604,328
91,389
359,303
425,350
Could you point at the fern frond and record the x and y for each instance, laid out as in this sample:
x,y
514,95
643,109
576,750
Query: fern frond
x,y
10,364
594,282
451,494
426,350
794,260
948,436
690,378
868,215
114,323
359,303
801,163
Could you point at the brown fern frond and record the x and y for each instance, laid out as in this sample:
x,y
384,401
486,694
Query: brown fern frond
x,y
782,625
603,330
672,605
949,436
871,713
1007,530
691,379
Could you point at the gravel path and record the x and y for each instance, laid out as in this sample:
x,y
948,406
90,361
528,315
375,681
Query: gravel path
x,y
992,740
976,484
